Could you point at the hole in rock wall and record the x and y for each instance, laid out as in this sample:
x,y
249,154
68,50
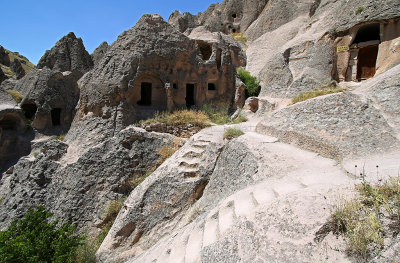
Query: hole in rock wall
x,y
233,30
205,49
219,58
234,15
145,93
56,116
190,95
211,86
368,33
175,86
29,110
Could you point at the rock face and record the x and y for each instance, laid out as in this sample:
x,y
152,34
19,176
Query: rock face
x,y
344,124
152,67
78,189
4,57
154,208
99,52
15,136
231,16
68,54
49,99
3,77
16,66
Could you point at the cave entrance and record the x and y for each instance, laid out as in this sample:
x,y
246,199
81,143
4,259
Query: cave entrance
x,y
368,33
366,64
8,124
145,94
190,95
56,116
205,49
29,109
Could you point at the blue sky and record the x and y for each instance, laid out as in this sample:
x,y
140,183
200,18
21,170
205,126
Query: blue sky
x,y
32,26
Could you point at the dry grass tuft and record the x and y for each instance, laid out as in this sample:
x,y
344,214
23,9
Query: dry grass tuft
x,y
316,93
181,118
239,37
16,95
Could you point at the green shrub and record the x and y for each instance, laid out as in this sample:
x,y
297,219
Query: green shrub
x,y
16,95
316,93
61,137
252,84
217,113
232,133
86,252
359,10
240,118
35,239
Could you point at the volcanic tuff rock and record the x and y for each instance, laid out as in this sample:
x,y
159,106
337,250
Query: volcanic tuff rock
x,y
99,52
228,17
155,53
353,123
49,99
2,76
4,58
78,190
68,54
16,66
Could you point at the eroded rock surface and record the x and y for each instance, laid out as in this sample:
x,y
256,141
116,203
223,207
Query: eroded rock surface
x,y
78,191
68,54
99,52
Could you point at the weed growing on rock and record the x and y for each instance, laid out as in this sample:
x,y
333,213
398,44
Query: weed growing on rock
x,y
232,133
61,137
359,10
316,93
251,82
361,220
35,154
16,95
239,37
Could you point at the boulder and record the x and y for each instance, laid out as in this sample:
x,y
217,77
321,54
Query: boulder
x,y
68,54
99,52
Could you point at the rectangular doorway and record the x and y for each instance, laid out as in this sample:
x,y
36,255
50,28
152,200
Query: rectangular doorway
x,y
190,95
145,94
366,64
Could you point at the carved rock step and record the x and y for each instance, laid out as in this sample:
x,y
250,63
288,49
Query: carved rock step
x,y
188,164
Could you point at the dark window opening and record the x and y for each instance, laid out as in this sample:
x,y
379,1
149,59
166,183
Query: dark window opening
x,y
234,30
205,49
368,33
234,15
211,86
219,58
29,110
8,125
190,95
56,116
145,93
366,63
175,86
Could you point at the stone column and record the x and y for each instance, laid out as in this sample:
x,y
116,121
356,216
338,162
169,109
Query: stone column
x,y
170,101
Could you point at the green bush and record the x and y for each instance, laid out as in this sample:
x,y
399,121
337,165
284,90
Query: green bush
x,y
252,84
232,133
35,239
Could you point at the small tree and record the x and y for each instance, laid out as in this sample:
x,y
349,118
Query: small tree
x,y
252,83
35,239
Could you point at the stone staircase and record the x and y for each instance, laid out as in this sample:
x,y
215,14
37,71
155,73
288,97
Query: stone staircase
x,y
311,173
